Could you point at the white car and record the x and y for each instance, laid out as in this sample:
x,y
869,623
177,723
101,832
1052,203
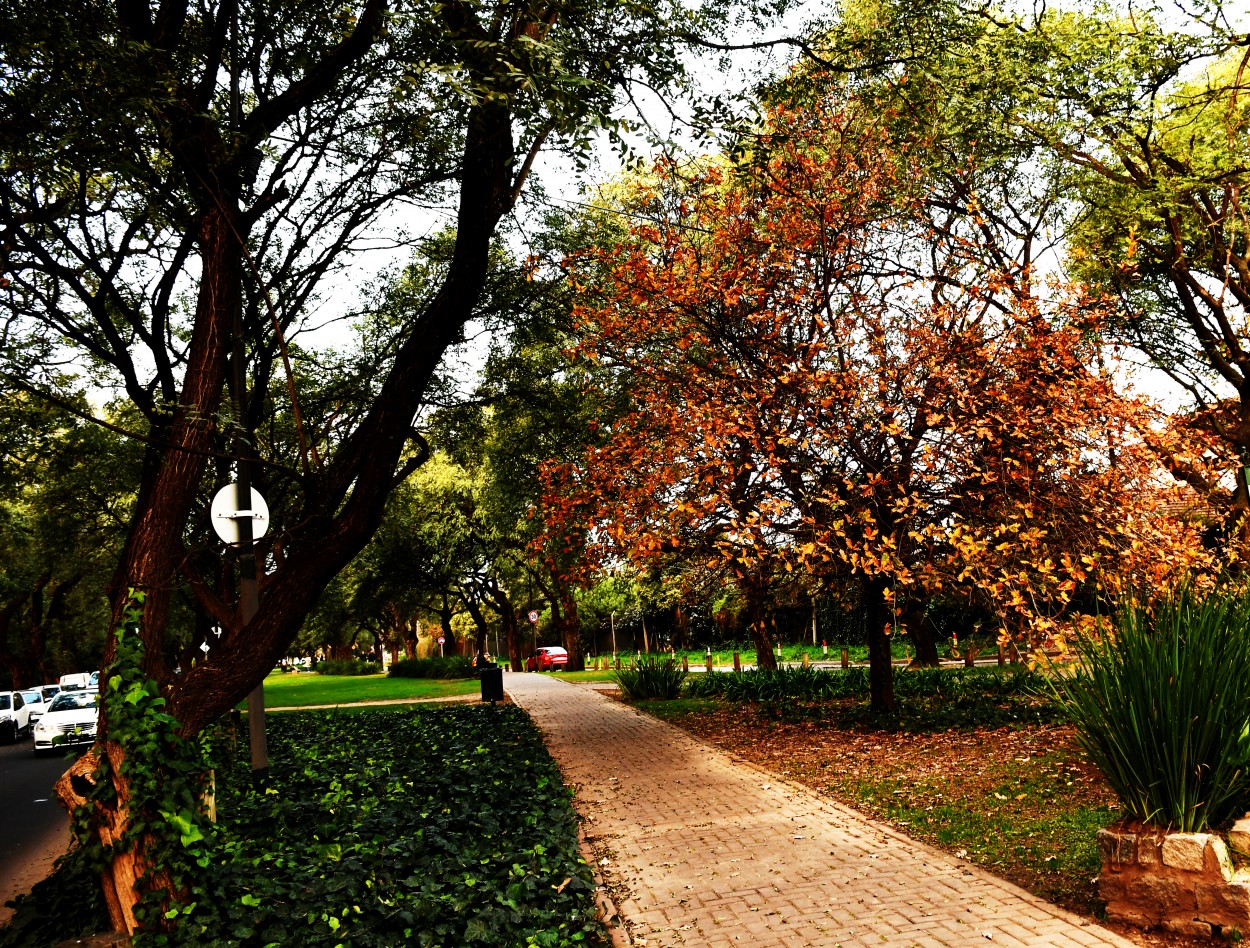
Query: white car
x,y
70,719
36,702
14,716
74,681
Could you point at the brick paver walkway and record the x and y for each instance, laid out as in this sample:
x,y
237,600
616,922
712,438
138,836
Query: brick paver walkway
x,y
704,849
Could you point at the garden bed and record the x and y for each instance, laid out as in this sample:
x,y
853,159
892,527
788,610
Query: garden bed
x,y
423,826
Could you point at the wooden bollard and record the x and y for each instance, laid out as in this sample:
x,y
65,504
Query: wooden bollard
x,y
685,664
846,658
1014,654
618,663
709,661
806,661
737,662
1002,655
970,656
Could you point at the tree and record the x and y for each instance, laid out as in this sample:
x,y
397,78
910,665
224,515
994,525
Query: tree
x,y
65,490
806,397
1110,137
183,182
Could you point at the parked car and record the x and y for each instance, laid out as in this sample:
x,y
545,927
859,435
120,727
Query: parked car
x,y
50,691
36,702
548,658
75,681
70,719
14,716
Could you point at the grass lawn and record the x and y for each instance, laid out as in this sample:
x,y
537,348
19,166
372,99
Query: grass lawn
x,y
602,675
1019,800
299,689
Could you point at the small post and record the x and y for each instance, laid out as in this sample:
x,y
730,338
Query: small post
x,y
1014,654
970,657
737,662
806,660
685,663
1002,655
709,660
618,664
846,657
824,647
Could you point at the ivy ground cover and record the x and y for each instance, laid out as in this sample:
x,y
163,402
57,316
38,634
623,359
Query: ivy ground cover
x,y
422,826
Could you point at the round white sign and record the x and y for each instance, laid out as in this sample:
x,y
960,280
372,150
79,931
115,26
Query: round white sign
x,y
533,616
225,514
441,640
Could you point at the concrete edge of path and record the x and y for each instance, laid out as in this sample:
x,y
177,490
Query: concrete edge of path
x,y
608,911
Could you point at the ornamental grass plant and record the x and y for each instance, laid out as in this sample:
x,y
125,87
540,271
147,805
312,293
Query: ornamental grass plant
x,y
651,677
1162,707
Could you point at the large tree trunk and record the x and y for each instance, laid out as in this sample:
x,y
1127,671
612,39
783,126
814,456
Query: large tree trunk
x,y
880,662
570,627
757,622
479,620
445,629
922,634
508,617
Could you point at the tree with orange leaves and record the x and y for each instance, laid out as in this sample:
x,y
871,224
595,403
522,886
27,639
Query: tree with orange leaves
x,y
822,383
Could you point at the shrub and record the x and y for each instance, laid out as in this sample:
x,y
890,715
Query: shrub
x,y
450,666
651,677
350,666
813,684
1162,707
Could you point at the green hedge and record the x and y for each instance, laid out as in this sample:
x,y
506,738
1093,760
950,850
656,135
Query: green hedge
x,y
450,666
350,666
815,684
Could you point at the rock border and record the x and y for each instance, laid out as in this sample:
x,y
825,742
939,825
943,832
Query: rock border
x,y
1181,882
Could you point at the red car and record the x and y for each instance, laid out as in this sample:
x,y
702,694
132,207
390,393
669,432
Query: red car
x,y
547,659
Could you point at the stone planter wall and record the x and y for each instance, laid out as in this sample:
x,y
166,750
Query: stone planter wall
x,y
1183,882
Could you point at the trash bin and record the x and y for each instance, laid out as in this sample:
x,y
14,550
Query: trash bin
x,y
492,683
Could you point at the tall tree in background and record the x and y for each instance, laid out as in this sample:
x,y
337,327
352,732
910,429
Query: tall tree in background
x,y
806,396
1107,137
65,493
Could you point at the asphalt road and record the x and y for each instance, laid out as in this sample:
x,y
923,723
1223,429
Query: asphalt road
x,y
34,828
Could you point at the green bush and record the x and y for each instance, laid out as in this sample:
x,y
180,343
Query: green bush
x,y
813,684
348,666
450,666
651,677
1162,707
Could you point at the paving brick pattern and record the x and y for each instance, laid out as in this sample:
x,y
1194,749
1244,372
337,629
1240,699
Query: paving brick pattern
x,y
704,849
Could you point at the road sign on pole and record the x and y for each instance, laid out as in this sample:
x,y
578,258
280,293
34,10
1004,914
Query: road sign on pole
x,y
533,616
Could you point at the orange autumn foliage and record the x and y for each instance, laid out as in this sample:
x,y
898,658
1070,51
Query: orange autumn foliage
x,y
821,384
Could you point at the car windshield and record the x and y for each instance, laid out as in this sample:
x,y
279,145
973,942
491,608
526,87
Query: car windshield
x,y
70,700
32,697
5,702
